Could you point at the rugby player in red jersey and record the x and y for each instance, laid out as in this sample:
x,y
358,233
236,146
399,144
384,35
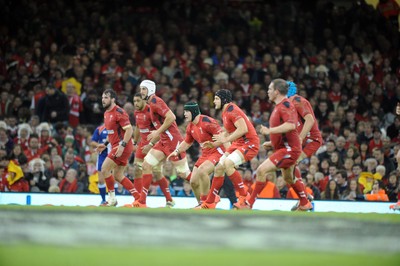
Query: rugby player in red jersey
x,y
245,144
307,126
167,132
201,128
142,146
119,133
285,140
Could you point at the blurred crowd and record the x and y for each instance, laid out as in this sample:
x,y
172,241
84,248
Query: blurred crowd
x,y
57,57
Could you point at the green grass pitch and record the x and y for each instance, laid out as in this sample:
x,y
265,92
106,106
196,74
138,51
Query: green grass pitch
x,y
32,252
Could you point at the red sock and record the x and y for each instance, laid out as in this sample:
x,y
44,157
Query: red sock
x,y
257,190
203,198
299,187
238,183
137,183
146,182
110,181
297,172
189,177
216,185
127,184
163,183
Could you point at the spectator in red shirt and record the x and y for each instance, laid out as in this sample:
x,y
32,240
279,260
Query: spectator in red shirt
x,y
33,150
376,141
70,182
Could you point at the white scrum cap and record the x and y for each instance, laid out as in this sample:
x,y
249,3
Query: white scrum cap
x,y
150,85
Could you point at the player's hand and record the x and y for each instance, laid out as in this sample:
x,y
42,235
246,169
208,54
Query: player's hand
x,y
267,145
100,148
398,109
119,152
153,134
264,130
220,138
174,153
146,149
207,145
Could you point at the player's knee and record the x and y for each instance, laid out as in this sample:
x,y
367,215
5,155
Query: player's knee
x,y
194,182
219,170
146,167
138,171
202,171
228,164
288,179
182,170
260,173
105,171
101,178
157,175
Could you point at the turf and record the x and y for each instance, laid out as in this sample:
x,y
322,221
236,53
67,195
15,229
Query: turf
x,y
60,256
373,217
23,248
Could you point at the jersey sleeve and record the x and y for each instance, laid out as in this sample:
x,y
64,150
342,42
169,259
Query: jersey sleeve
x,y
301,107
233,113
122,118
287,112
189,138
96,135
212,127
236,114
159,107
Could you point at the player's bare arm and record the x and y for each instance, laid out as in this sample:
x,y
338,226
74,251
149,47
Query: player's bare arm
x,y
169,119
267,145
285,127
136,135
264,130
98,147
181,148
127,137
241,130
147,148
212,144
308,124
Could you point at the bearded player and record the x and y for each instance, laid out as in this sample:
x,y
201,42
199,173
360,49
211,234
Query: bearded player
x,y
143,128
119,131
